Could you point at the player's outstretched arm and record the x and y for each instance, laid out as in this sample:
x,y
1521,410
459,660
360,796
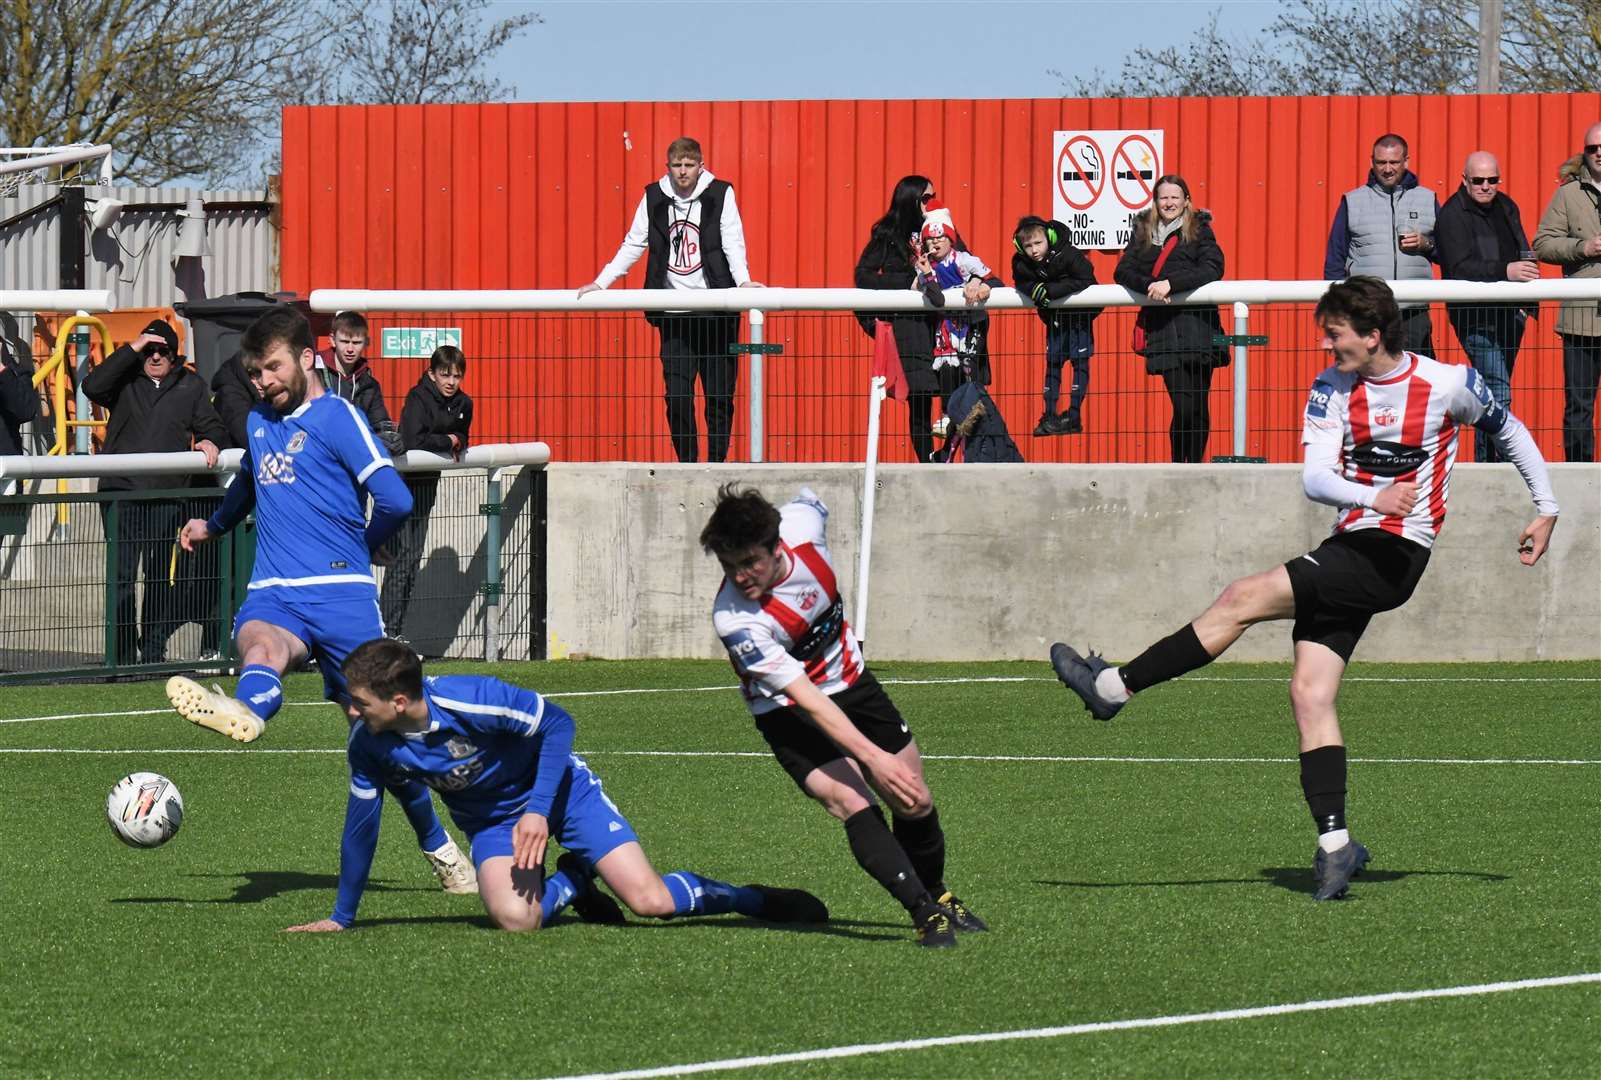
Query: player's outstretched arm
x,y
362,813
237,502
1535,538
894,776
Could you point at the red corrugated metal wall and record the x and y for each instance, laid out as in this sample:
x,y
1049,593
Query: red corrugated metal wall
x,y
539,195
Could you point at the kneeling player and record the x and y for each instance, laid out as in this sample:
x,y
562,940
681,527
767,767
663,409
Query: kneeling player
x,y
501,759
829,722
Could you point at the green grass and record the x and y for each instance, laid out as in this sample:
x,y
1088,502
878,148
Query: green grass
x,y
1117,890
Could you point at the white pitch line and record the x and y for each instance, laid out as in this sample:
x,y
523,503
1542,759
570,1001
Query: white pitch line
x,y
1322,1005
977,679
1046,759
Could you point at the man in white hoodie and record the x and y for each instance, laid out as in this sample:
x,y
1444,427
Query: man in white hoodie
x,y
689,223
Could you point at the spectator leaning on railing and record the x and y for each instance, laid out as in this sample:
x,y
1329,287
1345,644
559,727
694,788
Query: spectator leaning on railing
x,y
1479,236
344,372
233,395
1172,251
1570,236
1385,229
690,224
437,417
19,401
157,406
893,259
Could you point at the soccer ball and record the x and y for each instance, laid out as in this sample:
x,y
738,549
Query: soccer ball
x,y
144,809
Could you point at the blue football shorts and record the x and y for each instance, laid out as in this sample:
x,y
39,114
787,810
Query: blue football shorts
x,y
329,629
582,819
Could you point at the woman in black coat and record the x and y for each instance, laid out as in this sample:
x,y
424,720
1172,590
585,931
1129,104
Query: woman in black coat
x,y
1178,340
894,259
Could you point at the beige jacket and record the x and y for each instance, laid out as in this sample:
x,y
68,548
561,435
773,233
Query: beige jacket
x,y
1571,219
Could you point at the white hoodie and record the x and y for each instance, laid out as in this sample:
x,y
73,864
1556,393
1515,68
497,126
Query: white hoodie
x,y
685,273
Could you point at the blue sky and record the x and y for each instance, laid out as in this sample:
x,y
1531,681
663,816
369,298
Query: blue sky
x,y
600,50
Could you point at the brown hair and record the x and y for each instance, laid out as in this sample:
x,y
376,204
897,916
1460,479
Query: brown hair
x,y
384,667
683,146
1146,224
1368,305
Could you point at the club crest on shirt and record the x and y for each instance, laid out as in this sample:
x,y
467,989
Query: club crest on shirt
x,y
459,747
808,599
1385,416
297,442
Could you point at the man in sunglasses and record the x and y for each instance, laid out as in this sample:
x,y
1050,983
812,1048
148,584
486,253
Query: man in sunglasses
x,y
1570,236
1479,236
157,406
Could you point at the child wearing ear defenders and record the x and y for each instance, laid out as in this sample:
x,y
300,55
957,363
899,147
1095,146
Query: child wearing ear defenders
x,y
1048,267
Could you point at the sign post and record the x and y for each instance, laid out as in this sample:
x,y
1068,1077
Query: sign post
x,y
1103,179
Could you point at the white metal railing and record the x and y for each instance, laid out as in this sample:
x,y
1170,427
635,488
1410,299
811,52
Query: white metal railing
x,y
495,459
759,302
1002,299
28,158
82,301
490,456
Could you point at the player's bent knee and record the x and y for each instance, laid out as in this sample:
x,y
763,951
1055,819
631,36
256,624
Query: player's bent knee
x,y
648,899
518,921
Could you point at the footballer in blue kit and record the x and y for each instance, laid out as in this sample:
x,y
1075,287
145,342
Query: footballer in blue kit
x,y
501,758
309,467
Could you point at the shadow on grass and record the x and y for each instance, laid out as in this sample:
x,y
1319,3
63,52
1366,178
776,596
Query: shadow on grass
x,y
833,928
262,885
1291,878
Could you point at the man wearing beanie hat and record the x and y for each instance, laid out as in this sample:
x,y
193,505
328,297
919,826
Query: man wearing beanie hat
x,y
157,406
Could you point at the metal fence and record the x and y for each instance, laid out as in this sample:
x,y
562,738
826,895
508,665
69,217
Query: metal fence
x,y
590,383
94,583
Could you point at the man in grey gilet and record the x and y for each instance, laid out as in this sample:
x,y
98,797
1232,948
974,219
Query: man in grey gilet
x,y
1385,228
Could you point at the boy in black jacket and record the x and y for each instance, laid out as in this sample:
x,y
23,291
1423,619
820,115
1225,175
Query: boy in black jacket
x,y
436,418
344,371
1048,267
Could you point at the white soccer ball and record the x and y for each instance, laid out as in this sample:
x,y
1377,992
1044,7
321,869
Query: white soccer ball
x,y
145,809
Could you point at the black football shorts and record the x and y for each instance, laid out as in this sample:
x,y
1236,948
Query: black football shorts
x,y
1347,580
800,747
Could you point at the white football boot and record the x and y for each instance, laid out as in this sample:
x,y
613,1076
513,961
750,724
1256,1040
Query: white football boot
x,y
213,709
453,869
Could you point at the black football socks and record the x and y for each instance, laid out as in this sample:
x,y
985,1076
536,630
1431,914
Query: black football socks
x,y
1178,653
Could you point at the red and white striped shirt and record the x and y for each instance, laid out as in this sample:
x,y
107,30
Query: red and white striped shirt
x,y
1401,427
798,629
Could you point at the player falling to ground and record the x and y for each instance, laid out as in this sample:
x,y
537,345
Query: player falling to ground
x,y
1380,432
310,464
501,758
829,722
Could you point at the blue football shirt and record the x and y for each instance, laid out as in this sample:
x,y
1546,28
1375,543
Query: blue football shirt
x,y
493,751
308,469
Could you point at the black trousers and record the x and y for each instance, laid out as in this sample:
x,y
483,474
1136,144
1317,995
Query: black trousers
x,y
147,532
1187,388
1418,331
401,576
1581,372
697,345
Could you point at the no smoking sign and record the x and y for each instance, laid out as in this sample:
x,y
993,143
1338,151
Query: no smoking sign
x,y
1102,180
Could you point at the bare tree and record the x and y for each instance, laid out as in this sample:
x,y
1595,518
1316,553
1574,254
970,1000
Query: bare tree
x,y
193,89
178,87
1324,47
414,52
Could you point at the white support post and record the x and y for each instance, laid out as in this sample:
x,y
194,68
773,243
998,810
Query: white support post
x,y
875,401
1242,381
758,432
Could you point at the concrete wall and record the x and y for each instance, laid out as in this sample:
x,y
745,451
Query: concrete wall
x,y
990,562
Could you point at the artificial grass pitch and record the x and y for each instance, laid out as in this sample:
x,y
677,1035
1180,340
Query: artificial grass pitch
x,y
1157,866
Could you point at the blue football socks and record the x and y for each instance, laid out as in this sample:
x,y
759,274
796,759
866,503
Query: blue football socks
x,y
261,690
696,895
415,799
